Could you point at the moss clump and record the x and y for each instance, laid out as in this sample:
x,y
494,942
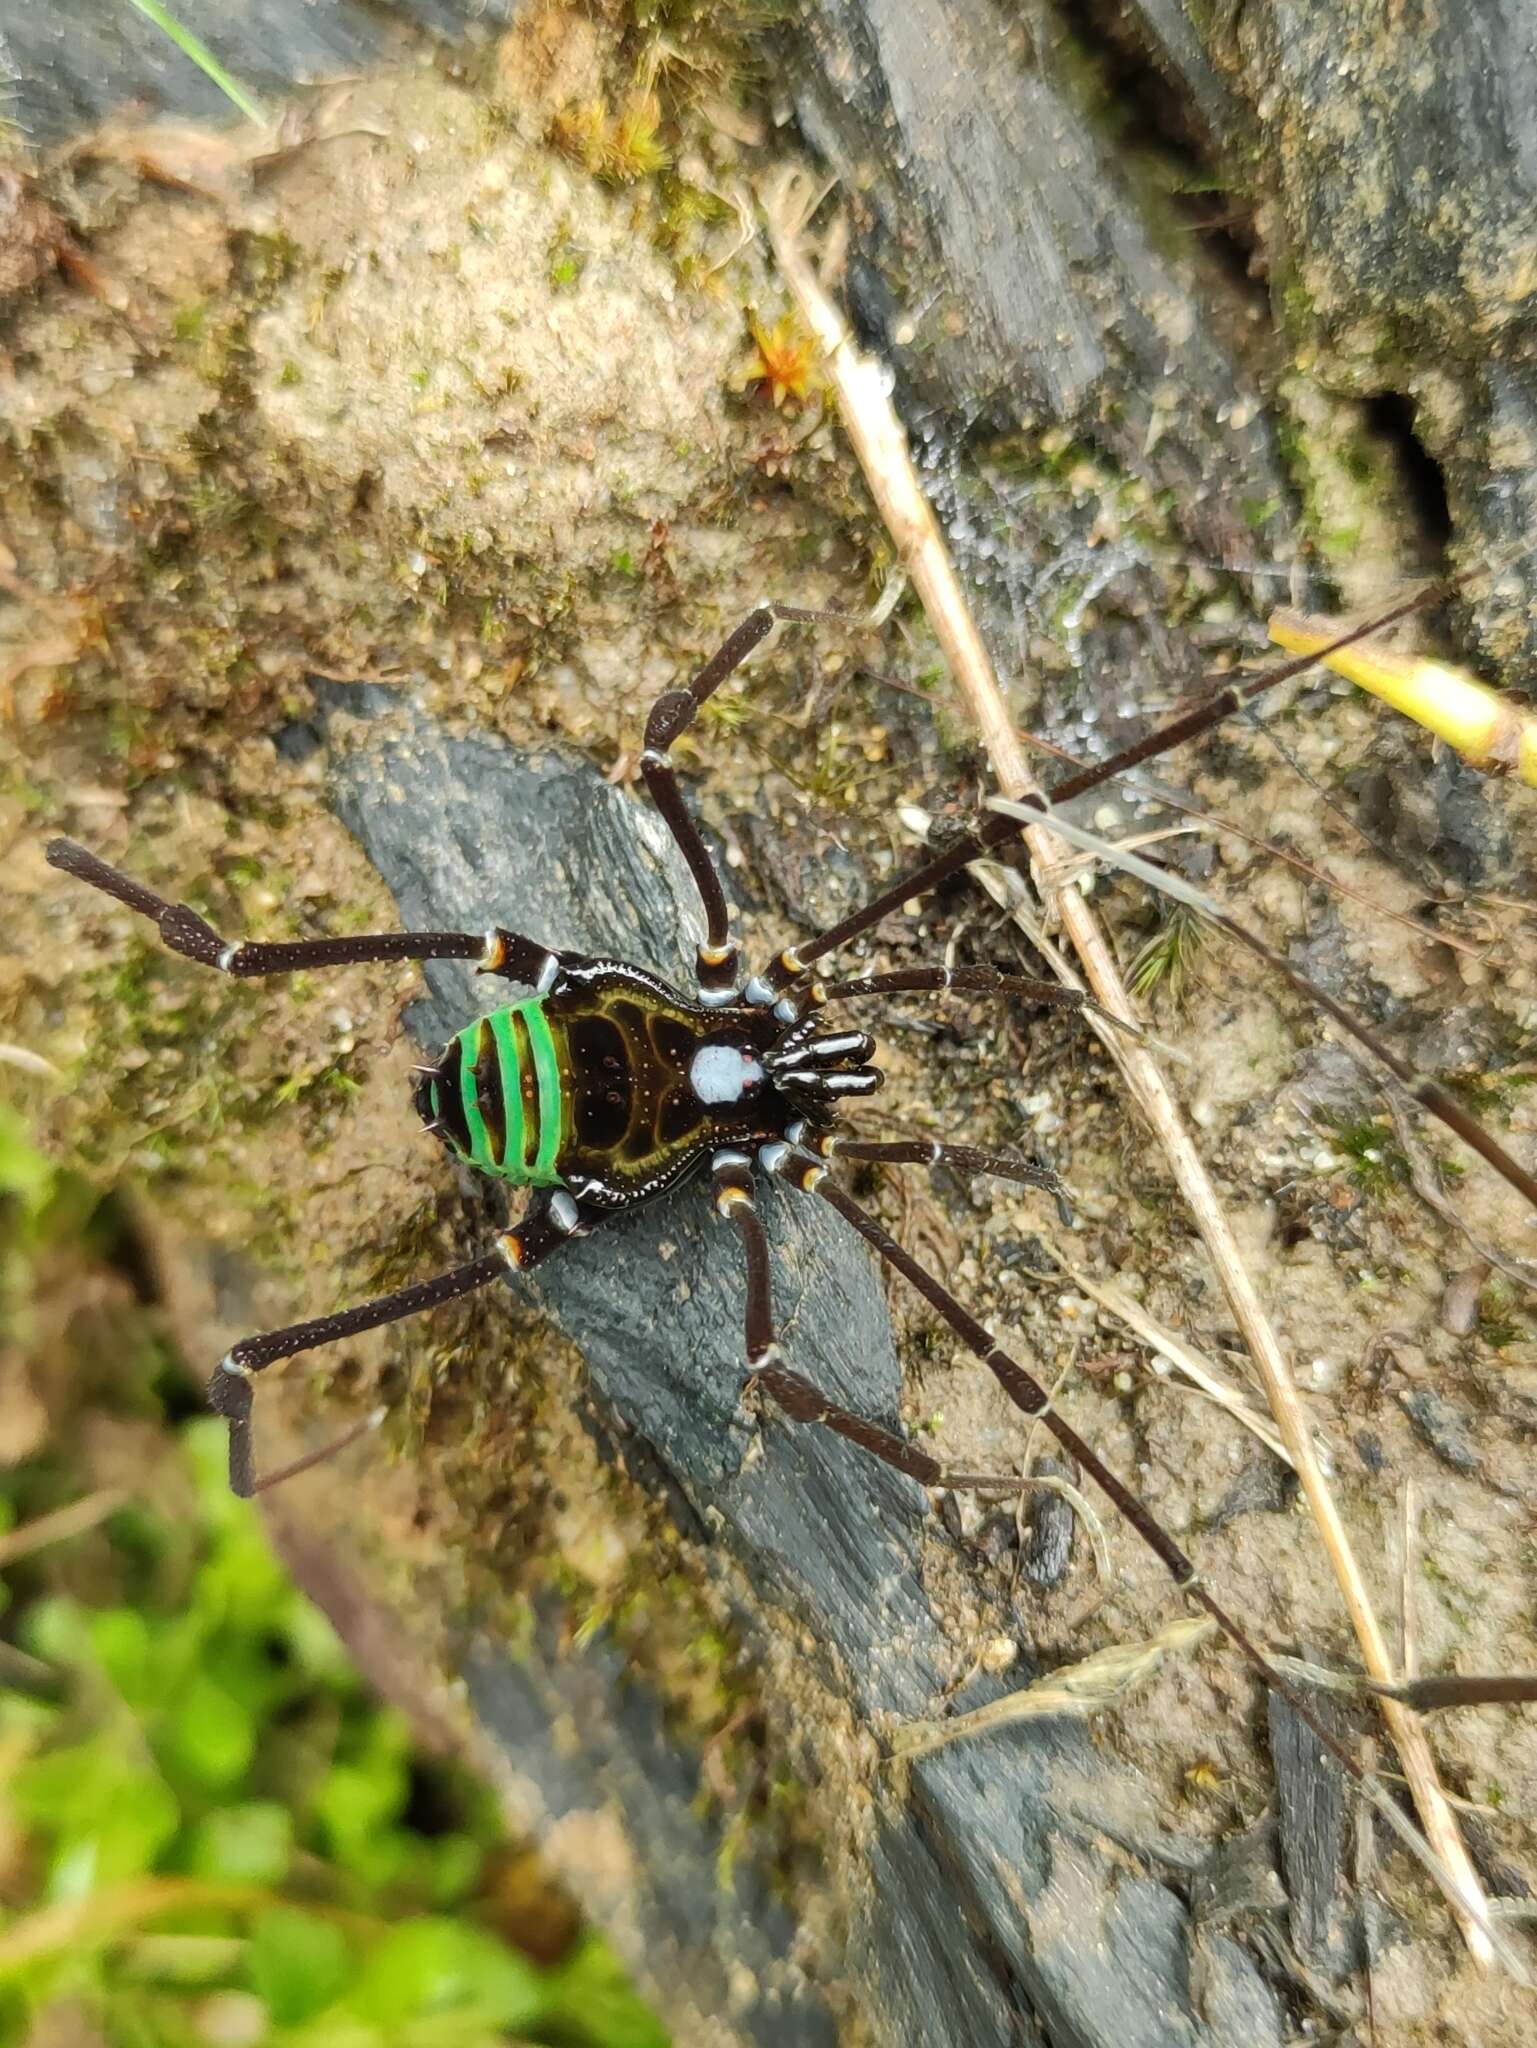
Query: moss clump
x,y
619,146
1378,1165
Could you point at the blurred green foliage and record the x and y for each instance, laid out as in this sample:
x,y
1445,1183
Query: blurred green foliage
x,y
211,1834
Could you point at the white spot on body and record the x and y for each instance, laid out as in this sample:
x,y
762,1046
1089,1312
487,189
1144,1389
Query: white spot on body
x,y
723,1073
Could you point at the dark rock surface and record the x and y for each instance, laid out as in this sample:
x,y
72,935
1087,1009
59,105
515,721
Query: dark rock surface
x,y
1094,220
1313,1820
1400,155
73,63
1055,306
993,1906
1034,310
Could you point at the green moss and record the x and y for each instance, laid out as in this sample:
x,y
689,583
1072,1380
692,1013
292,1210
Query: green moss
x,y
683,213
269,257
567,262
1350,492
1504,1315
1378,1165
1460,1600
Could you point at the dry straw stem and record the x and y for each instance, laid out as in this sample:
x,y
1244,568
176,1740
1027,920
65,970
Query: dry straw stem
x,y
1100,1681
1492,734
879,441
62,1525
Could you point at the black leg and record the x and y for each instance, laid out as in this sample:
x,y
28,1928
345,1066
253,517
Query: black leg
x,y
971,1159
671,715
1031,1398
229,1391
794,962
1045,995
1022,1388
800,1400
998,830
1048,995
185,932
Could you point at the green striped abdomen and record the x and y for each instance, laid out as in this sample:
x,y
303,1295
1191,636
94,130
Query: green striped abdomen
x,y
498,1095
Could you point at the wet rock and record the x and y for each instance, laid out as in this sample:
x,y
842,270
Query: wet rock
x,y
1236,2004
1442,820
1038,340
1399,190
1048,1548
1445,1427
1240,1880
1060,306
70,65
1265,1486
1312,1814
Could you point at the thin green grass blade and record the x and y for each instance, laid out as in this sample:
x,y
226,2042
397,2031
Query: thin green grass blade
x,y
202,57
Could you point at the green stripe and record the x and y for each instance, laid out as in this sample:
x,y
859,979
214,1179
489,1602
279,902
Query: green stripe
x,y
512,1092
542,1173
480,1138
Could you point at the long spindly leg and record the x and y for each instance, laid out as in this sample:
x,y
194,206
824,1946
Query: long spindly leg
x,y
794,962
185,932
1022,1388
797,1396
671,716
998,829
230,1391
1045,995
1030,1396
965,1159
1048,995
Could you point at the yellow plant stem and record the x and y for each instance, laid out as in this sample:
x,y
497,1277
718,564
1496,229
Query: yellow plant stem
x,y
1484,727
